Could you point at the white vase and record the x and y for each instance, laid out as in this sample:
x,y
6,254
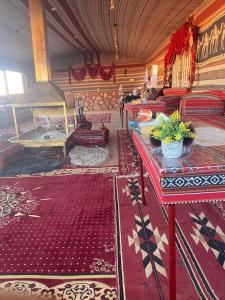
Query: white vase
x,y
173,149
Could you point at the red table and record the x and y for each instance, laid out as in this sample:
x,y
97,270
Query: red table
x,y
197,176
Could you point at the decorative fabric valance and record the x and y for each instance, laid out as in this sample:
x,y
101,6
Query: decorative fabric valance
x,y
106,73
182,41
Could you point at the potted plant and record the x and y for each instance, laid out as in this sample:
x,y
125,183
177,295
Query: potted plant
x,y
172,132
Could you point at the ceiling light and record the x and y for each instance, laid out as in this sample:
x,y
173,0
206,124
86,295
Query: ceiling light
x,y
53,8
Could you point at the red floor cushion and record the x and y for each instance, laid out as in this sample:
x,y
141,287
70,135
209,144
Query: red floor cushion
x,y
175,91
90,137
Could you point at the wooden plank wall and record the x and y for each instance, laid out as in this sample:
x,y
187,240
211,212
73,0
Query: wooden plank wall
x,y
98,94
134,77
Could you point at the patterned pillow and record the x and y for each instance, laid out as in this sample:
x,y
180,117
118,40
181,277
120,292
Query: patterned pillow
x,y
213,92
202,104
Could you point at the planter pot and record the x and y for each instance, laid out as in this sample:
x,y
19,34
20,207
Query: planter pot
x,y
173,149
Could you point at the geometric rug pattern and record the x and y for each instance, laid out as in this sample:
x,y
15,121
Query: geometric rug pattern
x,y
142,240
143,247
128,156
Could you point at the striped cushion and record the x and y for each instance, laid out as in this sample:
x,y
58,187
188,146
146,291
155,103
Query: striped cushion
x,y
220,93
162,104
89,137
175,91
202,104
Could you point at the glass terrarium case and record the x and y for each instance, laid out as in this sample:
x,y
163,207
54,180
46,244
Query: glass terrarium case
x,y
51,126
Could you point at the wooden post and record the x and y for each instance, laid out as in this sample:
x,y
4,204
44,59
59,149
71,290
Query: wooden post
x,y
39,40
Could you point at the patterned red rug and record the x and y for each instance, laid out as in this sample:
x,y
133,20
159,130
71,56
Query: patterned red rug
x,y
57,236
128,156
99,118
143,246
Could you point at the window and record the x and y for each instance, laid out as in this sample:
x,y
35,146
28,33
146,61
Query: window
x,y
11,83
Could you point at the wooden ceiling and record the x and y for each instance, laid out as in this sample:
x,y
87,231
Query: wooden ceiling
x,y
76,26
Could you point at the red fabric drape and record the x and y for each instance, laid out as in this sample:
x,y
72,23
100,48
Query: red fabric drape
x,y
92,70
78,73
179,44
170,55
107,75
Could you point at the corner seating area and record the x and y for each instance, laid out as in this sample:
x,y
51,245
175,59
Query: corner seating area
x,y
208,103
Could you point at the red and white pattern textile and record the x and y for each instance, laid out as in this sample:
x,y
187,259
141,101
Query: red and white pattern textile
x,y
175,91
99,118
202,104
162,104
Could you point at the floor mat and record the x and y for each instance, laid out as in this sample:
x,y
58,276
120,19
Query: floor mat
x,y
128,156
57,235
50,161
31,165
143,246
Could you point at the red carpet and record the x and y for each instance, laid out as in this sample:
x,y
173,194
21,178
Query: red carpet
x,y
143,247
128,159
142,240
58,230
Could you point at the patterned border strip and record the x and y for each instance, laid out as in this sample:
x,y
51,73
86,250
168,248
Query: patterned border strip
x,y
66,290
94,170
192,181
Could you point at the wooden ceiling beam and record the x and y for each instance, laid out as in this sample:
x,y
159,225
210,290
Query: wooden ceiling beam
x,y
39,40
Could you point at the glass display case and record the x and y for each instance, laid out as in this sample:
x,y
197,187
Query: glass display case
x,y
51,126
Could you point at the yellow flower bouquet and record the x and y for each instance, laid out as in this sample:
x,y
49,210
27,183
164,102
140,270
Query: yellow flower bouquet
x,y
172,132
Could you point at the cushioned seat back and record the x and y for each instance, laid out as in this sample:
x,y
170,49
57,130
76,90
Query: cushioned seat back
x,y
202,104
175,91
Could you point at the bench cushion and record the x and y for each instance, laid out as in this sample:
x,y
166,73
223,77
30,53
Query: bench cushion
x,y
202,104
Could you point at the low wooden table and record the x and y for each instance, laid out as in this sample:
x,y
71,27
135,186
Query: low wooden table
x,y
196,177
